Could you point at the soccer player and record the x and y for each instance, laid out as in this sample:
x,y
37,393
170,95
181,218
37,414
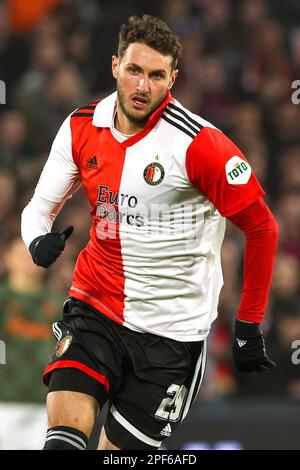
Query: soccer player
x,y
161,181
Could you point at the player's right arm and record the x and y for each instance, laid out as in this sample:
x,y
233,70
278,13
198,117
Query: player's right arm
x,y
59,180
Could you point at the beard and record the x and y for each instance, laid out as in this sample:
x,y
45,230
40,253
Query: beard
x,y
137,119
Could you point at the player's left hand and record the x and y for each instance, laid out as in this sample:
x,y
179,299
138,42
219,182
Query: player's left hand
x,y
249,351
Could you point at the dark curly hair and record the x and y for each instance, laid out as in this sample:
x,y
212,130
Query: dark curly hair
x,y
151,31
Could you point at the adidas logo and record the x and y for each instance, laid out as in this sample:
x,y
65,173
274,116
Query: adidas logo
x,y
241,342
92,163
167,431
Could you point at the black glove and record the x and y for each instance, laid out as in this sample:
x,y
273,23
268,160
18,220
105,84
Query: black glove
x,y
249,351
47,248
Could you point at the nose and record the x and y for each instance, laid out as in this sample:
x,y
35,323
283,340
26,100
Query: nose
x,y
143,85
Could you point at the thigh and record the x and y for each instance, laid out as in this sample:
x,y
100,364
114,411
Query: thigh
x,y
72,409
87,357
104,443
156,394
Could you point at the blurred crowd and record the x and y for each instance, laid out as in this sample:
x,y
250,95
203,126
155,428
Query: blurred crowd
x,y
240,59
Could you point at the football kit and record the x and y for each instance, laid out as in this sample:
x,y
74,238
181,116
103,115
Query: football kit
x,y
145,289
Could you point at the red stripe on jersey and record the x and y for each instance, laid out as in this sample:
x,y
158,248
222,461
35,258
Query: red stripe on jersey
x,y
75,365
99,269
99,274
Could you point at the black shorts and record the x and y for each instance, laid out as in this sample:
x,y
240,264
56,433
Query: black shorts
x,y
150,381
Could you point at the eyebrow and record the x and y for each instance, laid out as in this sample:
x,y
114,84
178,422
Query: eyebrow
x,y
132,64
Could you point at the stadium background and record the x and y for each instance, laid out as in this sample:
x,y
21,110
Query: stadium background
x,y
239,61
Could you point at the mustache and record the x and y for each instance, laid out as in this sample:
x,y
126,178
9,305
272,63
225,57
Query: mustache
x,y
140,96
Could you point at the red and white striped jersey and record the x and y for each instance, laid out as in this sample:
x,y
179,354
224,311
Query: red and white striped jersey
x,y
158,201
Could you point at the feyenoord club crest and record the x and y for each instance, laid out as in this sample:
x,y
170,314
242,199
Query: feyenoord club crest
x,y
154,173
63,345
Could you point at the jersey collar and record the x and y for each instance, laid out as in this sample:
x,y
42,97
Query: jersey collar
x,y
104,111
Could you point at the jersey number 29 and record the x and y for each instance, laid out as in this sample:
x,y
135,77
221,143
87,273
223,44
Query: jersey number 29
x,y
170,408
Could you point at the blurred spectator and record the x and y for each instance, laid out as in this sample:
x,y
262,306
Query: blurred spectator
x,y
253,12
28,309
8,197
288,215
46,54
285,122
217,101
286,290
13,135
289,167
46,109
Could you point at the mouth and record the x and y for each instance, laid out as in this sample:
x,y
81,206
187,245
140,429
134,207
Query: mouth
x,y
139,102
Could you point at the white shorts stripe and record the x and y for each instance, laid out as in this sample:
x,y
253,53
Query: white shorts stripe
x,y
200,364
60,438
202,368
135,432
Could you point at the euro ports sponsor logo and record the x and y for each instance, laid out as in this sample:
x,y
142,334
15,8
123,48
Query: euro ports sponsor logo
x,y
181,222
121,214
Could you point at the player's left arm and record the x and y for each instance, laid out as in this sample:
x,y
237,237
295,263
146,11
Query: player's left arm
x,y
221,171
261,231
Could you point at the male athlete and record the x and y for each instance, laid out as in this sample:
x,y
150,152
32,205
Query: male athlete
x,y
161,181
